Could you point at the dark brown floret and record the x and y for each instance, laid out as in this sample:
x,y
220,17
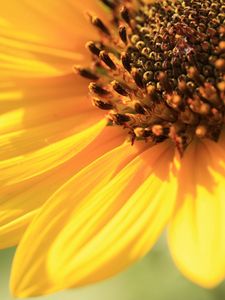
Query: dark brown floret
x,y
123,34
161,69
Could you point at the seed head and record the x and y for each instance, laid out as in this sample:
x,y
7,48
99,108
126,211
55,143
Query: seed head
x,y
161,69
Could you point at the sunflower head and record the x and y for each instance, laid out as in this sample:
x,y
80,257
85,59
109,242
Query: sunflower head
x,y
158,69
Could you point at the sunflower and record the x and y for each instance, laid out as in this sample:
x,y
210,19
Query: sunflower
x,y
94,177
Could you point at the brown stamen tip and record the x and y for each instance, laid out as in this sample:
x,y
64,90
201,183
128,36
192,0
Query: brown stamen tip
x,y
119,119
126,61
125,14
102,104
86,73
97,89
119,88
109,3
137,78
123,34
97,22
91,46
104,56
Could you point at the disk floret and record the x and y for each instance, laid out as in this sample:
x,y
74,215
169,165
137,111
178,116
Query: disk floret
x,y
159,69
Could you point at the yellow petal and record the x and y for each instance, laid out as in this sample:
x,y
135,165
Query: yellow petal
x,y
26,166
93,228
42,38
27,92
20,202
197,231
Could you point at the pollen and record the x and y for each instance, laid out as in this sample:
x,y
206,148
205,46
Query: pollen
x,y
158,69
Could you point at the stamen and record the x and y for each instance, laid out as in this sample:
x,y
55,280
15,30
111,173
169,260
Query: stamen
x,y
102,104
97,89
125,14
91,46
86,73
104,56
119,88
161,69
126,61
100,25
123,34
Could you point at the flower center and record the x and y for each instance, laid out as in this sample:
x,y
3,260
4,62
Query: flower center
x,y
159,69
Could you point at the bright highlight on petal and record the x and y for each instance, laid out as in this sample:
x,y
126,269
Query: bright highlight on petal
x,y
197,231
126,211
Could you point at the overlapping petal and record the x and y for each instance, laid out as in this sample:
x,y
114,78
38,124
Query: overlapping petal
x,y
42,107
197,231
124,207
20,202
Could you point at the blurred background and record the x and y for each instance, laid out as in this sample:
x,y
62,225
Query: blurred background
x,y
153,278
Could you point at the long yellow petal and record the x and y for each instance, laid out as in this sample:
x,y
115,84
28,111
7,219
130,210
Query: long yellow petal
x,y
26,166
197,231
94,229
42,37
51,97
20,202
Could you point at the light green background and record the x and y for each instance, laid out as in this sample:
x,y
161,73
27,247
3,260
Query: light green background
x,y
152,278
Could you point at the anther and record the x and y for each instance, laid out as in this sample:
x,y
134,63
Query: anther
x,y
86,73
104,56
125,59
137,78
125,14
93,48
97,89
120,119
119,88
99,24
102,104
123,34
